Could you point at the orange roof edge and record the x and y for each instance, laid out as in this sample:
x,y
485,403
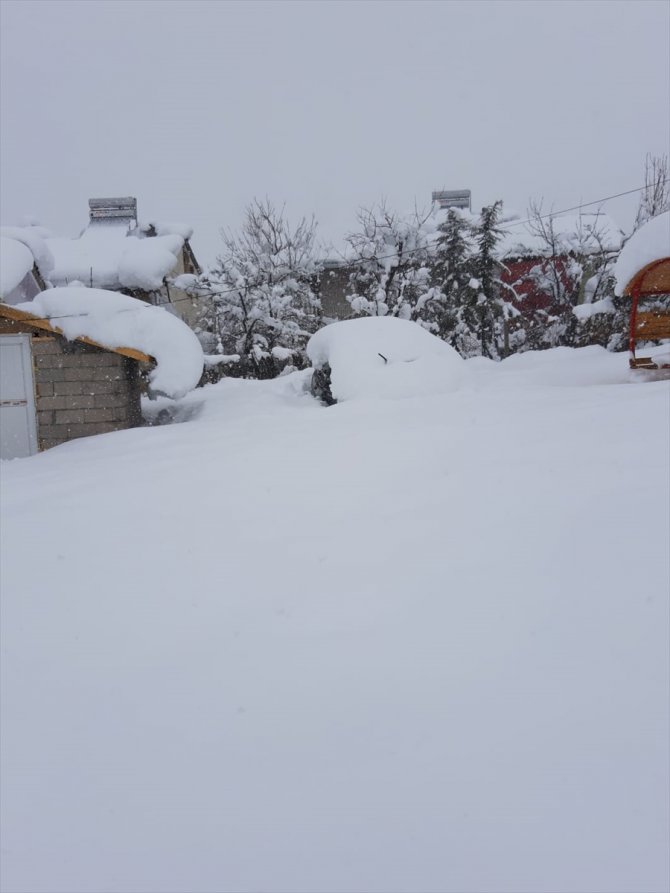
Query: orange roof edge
x,y
37,322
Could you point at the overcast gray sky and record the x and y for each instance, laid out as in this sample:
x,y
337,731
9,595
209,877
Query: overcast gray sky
x,y
197,107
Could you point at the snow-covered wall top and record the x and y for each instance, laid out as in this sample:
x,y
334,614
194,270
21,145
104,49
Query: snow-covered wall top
x,y
116,320
651,242
107,255
16,261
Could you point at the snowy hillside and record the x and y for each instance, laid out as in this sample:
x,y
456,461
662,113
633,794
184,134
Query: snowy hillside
x,y
389,645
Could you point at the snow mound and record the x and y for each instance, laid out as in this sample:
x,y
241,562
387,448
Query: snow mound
x,y
16,261
145,262
32,238
116,320
586,311
167,229
387,357
651,242
184,281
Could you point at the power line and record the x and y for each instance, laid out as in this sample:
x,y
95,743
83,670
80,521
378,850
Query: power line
x,y
598,201
356,261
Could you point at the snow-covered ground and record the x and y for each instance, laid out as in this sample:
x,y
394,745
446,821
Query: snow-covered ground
x,y
390,645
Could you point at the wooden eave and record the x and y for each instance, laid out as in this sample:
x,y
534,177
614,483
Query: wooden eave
x,y
37,322
190,259
654,279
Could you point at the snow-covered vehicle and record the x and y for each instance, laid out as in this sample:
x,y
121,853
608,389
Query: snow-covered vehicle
x,y
381,356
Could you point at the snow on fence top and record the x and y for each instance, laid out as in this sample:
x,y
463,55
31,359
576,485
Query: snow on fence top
x,y
115,320
16,261
383,356
651,242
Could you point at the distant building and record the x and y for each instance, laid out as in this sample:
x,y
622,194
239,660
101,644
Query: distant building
x,y
522,251
151,261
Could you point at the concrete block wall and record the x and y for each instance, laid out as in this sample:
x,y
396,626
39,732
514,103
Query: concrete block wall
x,y
82,390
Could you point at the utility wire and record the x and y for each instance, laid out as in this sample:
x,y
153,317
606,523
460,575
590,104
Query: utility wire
x,y
583,205
356,261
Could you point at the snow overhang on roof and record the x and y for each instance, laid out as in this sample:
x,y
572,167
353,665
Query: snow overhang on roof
x,y
642,260
16,261
37,322
120,323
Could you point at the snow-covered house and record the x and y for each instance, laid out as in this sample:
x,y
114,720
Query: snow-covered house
x,y
71,361
53,390
115,251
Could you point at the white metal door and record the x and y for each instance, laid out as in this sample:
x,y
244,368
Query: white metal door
x,y
18,424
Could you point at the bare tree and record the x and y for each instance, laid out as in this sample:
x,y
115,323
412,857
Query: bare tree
x,y
262,301
391,254
655,197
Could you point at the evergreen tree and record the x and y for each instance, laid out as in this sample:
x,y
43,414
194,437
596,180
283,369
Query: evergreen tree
x,y
454,310
491,309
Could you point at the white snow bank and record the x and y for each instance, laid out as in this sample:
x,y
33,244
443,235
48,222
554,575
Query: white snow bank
x,y
16,261
389,647
651,242
116,320
382,356
32,238
107,256
586,311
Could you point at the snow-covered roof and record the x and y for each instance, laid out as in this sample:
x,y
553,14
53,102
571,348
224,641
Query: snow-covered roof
x,y
16,261
110,255
115,320
651,242
580,233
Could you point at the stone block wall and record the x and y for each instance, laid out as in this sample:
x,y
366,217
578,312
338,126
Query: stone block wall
x,y
82,390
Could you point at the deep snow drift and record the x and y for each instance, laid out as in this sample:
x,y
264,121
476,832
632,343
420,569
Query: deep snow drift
x,y
389,645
